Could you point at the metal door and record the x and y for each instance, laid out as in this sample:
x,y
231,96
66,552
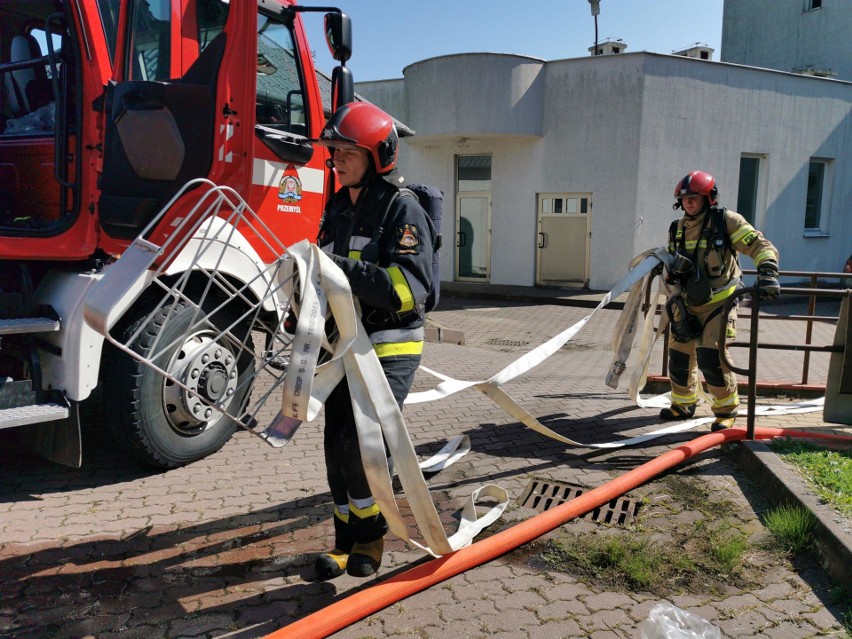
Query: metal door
x,y
564,232
473,237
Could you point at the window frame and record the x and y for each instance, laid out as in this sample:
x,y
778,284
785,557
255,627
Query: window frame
x,y
759,192
822,207
291,126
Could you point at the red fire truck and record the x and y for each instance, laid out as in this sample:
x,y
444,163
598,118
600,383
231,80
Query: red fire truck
x,y
108,109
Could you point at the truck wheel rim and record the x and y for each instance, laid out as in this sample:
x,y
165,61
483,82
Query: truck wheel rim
x,y
209,370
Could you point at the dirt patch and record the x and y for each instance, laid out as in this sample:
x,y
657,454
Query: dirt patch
x,y
684,539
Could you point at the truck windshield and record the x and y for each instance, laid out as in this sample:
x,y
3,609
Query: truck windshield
x,y
280,94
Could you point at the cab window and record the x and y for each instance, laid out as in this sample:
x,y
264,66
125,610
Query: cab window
x,y
280,93
150,50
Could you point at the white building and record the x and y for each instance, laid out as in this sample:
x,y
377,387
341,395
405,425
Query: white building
x,y
558,173
802,36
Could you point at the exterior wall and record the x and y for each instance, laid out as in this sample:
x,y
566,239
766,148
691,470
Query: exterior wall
x,y
593,119
389,95
733,110
626,128
446,95
780,34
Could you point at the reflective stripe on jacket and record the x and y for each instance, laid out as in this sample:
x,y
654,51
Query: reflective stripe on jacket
x,y
389,262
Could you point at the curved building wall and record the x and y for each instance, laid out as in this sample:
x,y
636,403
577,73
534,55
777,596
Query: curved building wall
x,y
476,94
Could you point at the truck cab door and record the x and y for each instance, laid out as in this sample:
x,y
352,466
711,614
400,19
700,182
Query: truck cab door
x,y
160,108
211,89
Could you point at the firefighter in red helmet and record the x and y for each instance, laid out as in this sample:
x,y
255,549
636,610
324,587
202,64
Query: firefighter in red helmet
x,y
388,263
705,243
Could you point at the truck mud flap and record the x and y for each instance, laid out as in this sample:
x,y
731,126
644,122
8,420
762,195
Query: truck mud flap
x,y
59,441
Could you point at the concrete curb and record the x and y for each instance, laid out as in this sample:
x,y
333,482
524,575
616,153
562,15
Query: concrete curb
x,y
782,485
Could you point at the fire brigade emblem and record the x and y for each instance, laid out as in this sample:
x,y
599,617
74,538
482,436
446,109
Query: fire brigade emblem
x,y
290,187
407,239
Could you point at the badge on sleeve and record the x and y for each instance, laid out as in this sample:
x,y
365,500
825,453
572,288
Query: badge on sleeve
x,y
407,240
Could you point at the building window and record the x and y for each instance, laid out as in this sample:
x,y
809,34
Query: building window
x,y
474,173
747,193
815,219
810,5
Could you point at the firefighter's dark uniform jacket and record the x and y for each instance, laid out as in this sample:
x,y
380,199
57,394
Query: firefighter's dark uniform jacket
x,y
715,277
388,262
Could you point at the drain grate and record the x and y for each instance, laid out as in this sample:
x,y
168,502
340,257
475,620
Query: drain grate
x,y
543,495
496,341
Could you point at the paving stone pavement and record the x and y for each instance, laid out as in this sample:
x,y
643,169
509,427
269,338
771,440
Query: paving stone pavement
x,y
224,547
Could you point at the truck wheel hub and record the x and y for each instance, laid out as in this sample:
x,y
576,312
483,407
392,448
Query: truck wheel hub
x,y
209,371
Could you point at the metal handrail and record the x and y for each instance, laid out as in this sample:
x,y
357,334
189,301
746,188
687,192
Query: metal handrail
x,y
811,293
751,372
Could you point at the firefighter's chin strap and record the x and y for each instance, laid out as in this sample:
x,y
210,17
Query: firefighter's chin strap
x,y
324,287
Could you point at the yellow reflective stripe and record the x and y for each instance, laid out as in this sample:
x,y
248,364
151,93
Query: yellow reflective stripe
x,y
731,400
400,285
723,294
761,257
741,233
690,244
344,517
398,348
355,255
684,399
363,513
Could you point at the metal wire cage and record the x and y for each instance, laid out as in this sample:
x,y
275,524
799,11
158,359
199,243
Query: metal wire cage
x,y
209,313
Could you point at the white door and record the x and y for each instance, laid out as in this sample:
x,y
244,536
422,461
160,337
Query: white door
x,y
473,237
564,231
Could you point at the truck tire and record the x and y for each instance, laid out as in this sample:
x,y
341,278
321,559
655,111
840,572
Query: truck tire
x,y
155,420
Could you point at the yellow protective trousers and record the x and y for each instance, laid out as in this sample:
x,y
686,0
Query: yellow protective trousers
x,y
686,359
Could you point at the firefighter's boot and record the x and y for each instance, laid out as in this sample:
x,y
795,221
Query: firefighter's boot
x,y
333,563
723,422
678,412
368,529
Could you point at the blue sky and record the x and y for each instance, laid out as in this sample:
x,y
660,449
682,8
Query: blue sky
x,y
390,34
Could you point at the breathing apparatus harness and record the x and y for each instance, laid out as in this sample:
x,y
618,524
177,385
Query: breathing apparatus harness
x,y
689,277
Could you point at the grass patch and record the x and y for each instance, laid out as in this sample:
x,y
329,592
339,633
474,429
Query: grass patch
x,y
710,555
627,561
701,561
792,528
727,548
828,471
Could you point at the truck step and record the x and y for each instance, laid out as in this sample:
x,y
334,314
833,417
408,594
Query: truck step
x,y
18,325
32,414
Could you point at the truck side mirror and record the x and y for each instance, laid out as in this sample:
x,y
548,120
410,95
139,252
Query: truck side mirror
x,y
338,35
342,87
286,146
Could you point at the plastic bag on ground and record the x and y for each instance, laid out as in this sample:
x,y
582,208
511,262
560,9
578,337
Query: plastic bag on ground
x,y
667,621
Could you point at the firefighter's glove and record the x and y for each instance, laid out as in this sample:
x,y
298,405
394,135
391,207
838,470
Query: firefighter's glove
x,y
767,281
346,264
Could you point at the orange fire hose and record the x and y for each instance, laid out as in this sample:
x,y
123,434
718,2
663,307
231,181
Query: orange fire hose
x,y
365,602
